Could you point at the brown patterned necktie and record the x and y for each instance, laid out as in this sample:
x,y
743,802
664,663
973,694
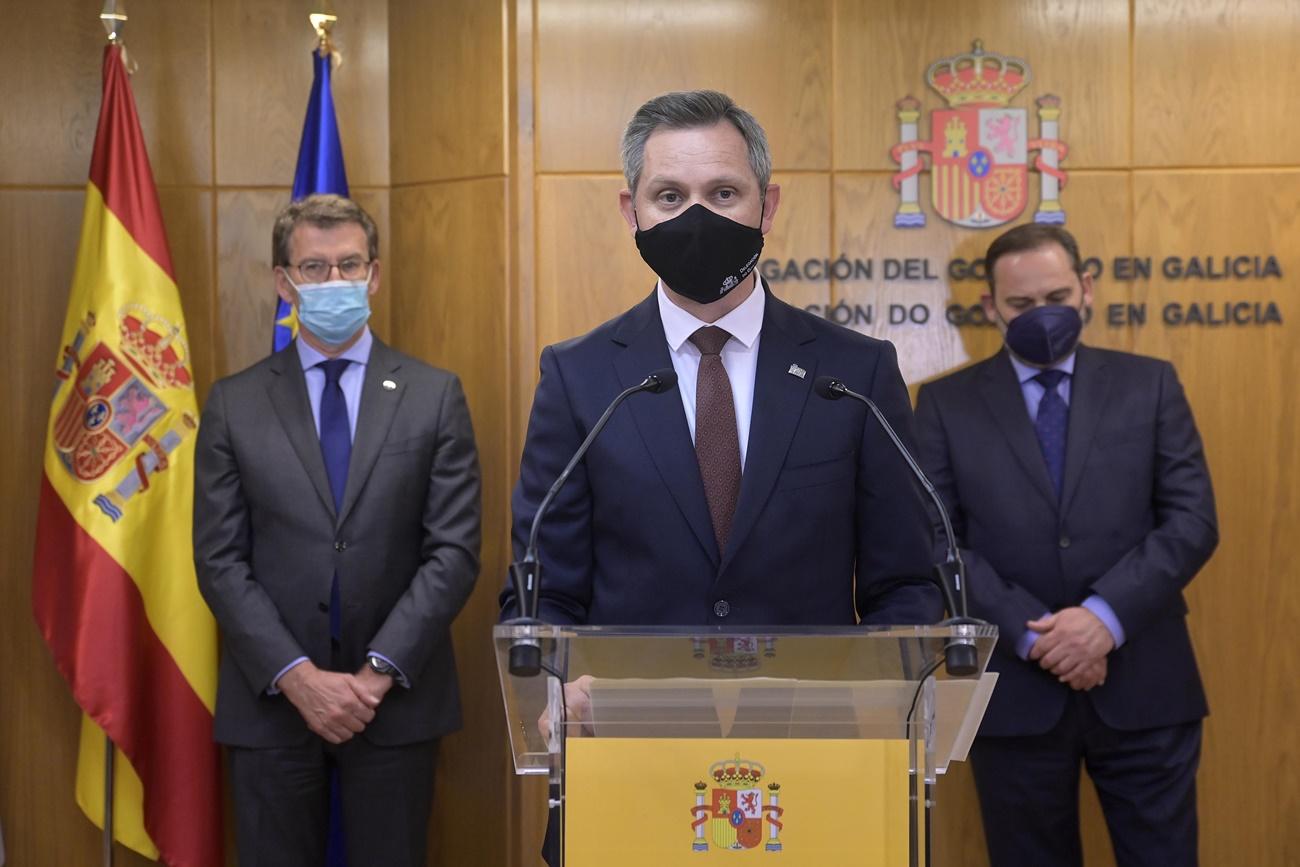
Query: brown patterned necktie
x,y
717,444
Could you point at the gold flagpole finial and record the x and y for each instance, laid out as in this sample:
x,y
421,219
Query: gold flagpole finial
x,y
322,22
113,17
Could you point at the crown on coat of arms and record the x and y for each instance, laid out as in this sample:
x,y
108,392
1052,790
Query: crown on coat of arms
x,y
733,773
977,77
154,346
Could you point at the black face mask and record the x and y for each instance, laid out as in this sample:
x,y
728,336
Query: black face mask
x,y
700,254
1044,335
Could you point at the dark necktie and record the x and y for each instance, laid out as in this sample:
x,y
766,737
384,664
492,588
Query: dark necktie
x,y
1051,424
717,444
336,448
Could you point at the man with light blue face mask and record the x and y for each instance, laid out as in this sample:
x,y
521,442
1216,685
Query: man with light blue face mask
x,y
336,537
1082,501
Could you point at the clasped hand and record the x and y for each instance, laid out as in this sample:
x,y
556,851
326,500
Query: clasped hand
x,y
1072,644
335,705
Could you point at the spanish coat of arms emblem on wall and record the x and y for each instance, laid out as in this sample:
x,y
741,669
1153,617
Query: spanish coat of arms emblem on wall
x,y
979,147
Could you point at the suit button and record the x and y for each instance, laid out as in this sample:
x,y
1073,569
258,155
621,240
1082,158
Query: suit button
x,y
323,607
721,608
1064,542
340,546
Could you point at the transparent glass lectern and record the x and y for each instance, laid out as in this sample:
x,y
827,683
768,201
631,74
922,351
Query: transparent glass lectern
x,y
817,743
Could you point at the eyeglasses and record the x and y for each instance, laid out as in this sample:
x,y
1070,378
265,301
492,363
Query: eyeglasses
x,y
318,270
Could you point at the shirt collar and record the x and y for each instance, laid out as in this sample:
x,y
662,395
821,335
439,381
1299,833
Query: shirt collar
x,y
357,353
1025,372
743,323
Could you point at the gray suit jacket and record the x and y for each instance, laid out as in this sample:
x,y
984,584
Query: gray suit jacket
x,y
405,544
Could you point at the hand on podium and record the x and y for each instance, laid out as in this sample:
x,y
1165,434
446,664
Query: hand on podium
x,y
577,705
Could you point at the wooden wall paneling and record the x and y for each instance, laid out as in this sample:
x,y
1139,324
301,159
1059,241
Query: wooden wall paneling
x,y
447,89
588,267
245,283
52,81
1078,51
449,301
802,231
1211,83
375,201
599,59
53,87
1097,213
526,812
187,216
262,57
1240,381
522,219
172,86
39,730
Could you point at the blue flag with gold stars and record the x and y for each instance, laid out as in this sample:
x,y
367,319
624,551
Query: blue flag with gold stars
x,y
320,169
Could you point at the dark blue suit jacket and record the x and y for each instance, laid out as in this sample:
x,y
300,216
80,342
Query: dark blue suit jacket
x,y
1135,523
823,496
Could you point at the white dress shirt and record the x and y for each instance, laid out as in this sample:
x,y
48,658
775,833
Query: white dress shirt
x,y
739,355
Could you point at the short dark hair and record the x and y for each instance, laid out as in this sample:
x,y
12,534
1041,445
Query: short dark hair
x,y
324,211
1031,236
688,110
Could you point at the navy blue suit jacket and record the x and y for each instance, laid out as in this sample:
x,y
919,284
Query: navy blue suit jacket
x,y
1135,523
823,495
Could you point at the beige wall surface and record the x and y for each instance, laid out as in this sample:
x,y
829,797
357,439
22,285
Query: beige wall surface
x,y
483,136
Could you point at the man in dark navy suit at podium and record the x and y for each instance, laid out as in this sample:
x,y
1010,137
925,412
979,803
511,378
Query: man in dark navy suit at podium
x,y
741,497
1080,496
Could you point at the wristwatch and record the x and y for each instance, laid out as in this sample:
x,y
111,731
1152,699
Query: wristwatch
x,y
379,665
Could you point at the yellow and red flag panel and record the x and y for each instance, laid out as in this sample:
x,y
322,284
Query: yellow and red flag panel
x,y
113,590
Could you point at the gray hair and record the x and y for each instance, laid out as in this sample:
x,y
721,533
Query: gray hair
x,y
324,211
687,110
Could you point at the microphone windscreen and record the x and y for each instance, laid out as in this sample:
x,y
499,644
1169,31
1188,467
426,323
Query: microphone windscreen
x,y
663,380
825,387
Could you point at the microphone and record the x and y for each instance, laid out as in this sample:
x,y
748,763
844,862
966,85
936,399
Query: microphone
x,y
961,659
526,574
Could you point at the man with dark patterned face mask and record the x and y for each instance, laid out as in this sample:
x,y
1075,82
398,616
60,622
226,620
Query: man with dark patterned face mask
x,y
1080,495
741,498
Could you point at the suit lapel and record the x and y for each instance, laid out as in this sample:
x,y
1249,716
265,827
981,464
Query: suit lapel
x,y
374,418
661,420
288,392
779,399
1089,388
1006,402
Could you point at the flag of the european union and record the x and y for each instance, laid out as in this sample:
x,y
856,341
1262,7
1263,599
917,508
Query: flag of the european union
x,y
320,169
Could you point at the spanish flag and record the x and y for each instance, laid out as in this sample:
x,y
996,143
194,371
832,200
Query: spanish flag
x,y
113,589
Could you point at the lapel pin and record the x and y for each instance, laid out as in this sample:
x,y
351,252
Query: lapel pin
x,y
796,370
389,385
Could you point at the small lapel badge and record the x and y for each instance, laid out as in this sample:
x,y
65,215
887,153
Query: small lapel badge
x,y
388,385
796,370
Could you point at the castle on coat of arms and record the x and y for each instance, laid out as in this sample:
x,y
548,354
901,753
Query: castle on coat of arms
x,y
979,147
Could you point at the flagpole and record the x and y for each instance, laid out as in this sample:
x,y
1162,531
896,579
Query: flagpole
x,y
113,17
108,801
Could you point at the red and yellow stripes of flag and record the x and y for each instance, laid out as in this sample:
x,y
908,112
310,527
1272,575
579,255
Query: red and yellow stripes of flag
x,y
113,588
